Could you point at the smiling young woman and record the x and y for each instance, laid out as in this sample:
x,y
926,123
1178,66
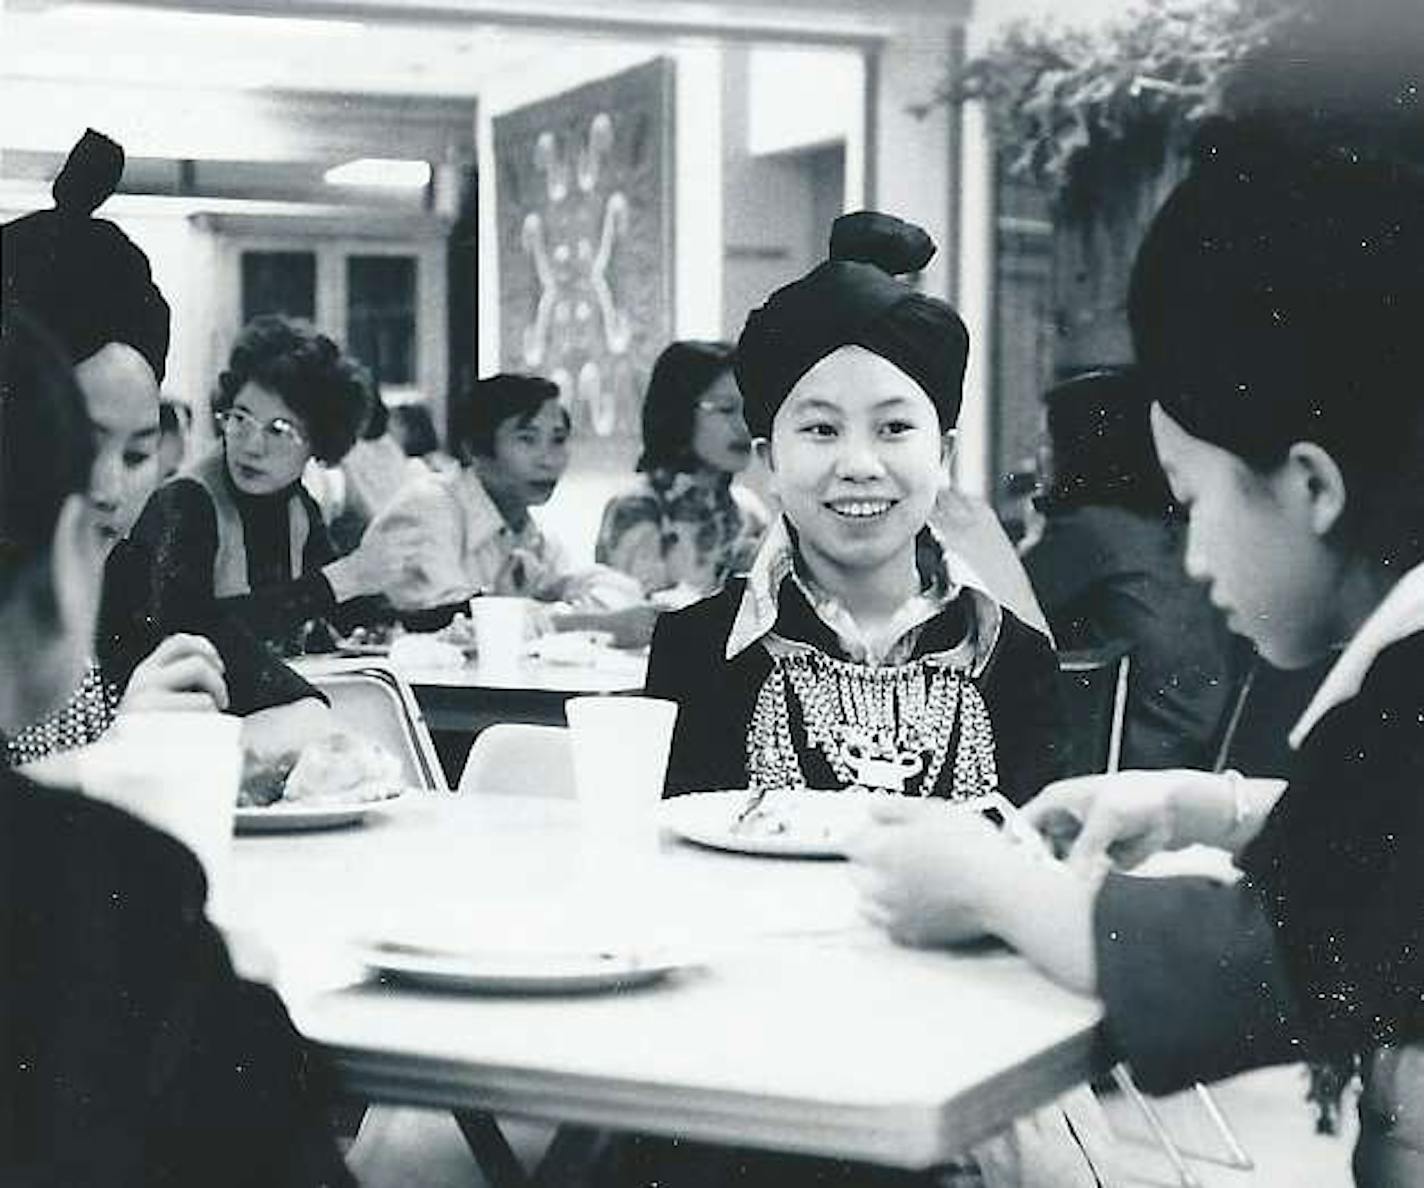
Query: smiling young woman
x,y
857,620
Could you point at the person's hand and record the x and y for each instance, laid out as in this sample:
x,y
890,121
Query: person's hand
x,y
631,627
184,672
929,872
602,589
1127,816
383,561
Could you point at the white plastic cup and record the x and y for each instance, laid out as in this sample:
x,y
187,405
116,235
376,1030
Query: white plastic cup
x,y
620,751
178,772
501,630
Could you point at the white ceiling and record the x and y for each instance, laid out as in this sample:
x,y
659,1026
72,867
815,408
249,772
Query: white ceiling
x,y
99,43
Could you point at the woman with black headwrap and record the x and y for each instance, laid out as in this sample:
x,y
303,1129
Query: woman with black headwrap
x,y
1276,307
852,388
860,651
91,287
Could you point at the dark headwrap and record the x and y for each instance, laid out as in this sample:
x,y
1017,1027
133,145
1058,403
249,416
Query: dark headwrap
x,y
853,299
1279,297
81,277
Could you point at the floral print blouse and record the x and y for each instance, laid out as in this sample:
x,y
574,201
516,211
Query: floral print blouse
x,y
675,530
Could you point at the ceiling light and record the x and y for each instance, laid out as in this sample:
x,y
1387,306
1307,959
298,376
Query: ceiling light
x,y
384,172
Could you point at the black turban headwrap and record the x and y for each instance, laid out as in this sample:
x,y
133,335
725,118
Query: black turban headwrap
x,y
82,278
1278,297
853,299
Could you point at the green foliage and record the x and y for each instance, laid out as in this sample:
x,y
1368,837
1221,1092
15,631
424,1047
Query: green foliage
x,y
1055,91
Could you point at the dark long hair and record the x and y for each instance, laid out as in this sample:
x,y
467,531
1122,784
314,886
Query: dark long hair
x,y
683,372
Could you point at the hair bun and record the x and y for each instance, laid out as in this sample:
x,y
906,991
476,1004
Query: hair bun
x,y
90,174
890,244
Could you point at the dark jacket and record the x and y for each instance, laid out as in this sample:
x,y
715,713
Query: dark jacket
x,y
716,696
138,610
1319,951
133,1056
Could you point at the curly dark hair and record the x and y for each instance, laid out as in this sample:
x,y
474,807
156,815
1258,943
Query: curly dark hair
x,y
683,372
329,392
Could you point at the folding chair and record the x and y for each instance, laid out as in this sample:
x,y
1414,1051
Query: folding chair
x,y
1095,688
520,759
373,700
1093,682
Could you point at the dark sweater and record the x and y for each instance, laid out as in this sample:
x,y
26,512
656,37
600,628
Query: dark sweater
x,y
133,1056
716,696
1319,951
139,608
180,528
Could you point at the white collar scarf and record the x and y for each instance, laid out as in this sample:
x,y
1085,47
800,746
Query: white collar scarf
x,y
1401,614
775,563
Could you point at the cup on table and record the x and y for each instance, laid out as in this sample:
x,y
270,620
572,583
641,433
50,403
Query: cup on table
x,y
178,772
620,752
501,629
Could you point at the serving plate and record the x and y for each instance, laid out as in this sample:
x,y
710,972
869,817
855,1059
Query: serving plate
x,y
286,816
790,824
521,970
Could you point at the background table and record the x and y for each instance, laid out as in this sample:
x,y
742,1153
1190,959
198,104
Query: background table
x,y
458,702
805,1031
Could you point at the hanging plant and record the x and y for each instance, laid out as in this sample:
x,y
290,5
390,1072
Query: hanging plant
x,y
1059,95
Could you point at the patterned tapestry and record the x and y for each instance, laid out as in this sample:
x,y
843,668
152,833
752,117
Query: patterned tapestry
x,y
584,186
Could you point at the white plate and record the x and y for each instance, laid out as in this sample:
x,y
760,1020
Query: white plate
x,y
290,816
814,824
515,971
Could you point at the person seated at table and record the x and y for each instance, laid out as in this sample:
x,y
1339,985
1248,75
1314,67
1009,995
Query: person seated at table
x,y
134,1055
371,475
860,649
1108,568
511,436
1275,306
92,286
235,529
685,526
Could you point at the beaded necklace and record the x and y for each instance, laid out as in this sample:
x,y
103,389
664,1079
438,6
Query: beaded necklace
x,y
89,712
877,727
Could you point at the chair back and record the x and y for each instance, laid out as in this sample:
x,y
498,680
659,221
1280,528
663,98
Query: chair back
x,y
1094,684
372,700
521,759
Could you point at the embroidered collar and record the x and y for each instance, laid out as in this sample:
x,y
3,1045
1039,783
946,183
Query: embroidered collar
x,y
1400,614
483,519
947,574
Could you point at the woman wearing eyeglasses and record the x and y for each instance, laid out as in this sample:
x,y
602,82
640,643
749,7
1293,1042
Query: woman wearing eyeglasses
x,y
684,527
235,525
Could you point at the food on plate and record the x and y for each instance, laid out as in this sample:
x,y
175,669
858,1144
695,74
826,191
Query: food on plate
x,y
804,815
342,768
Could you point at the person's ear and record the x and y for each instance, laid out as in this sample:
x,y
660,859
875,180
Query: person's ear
x,y
947,443
1316,483
76,562
761,447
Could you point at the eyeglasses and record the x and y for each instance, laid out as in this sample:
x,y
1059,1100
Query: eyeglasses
x,y
279,432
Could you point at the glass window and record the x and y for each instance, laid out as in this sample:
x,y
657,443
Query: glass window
x,y
280,283
380,316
